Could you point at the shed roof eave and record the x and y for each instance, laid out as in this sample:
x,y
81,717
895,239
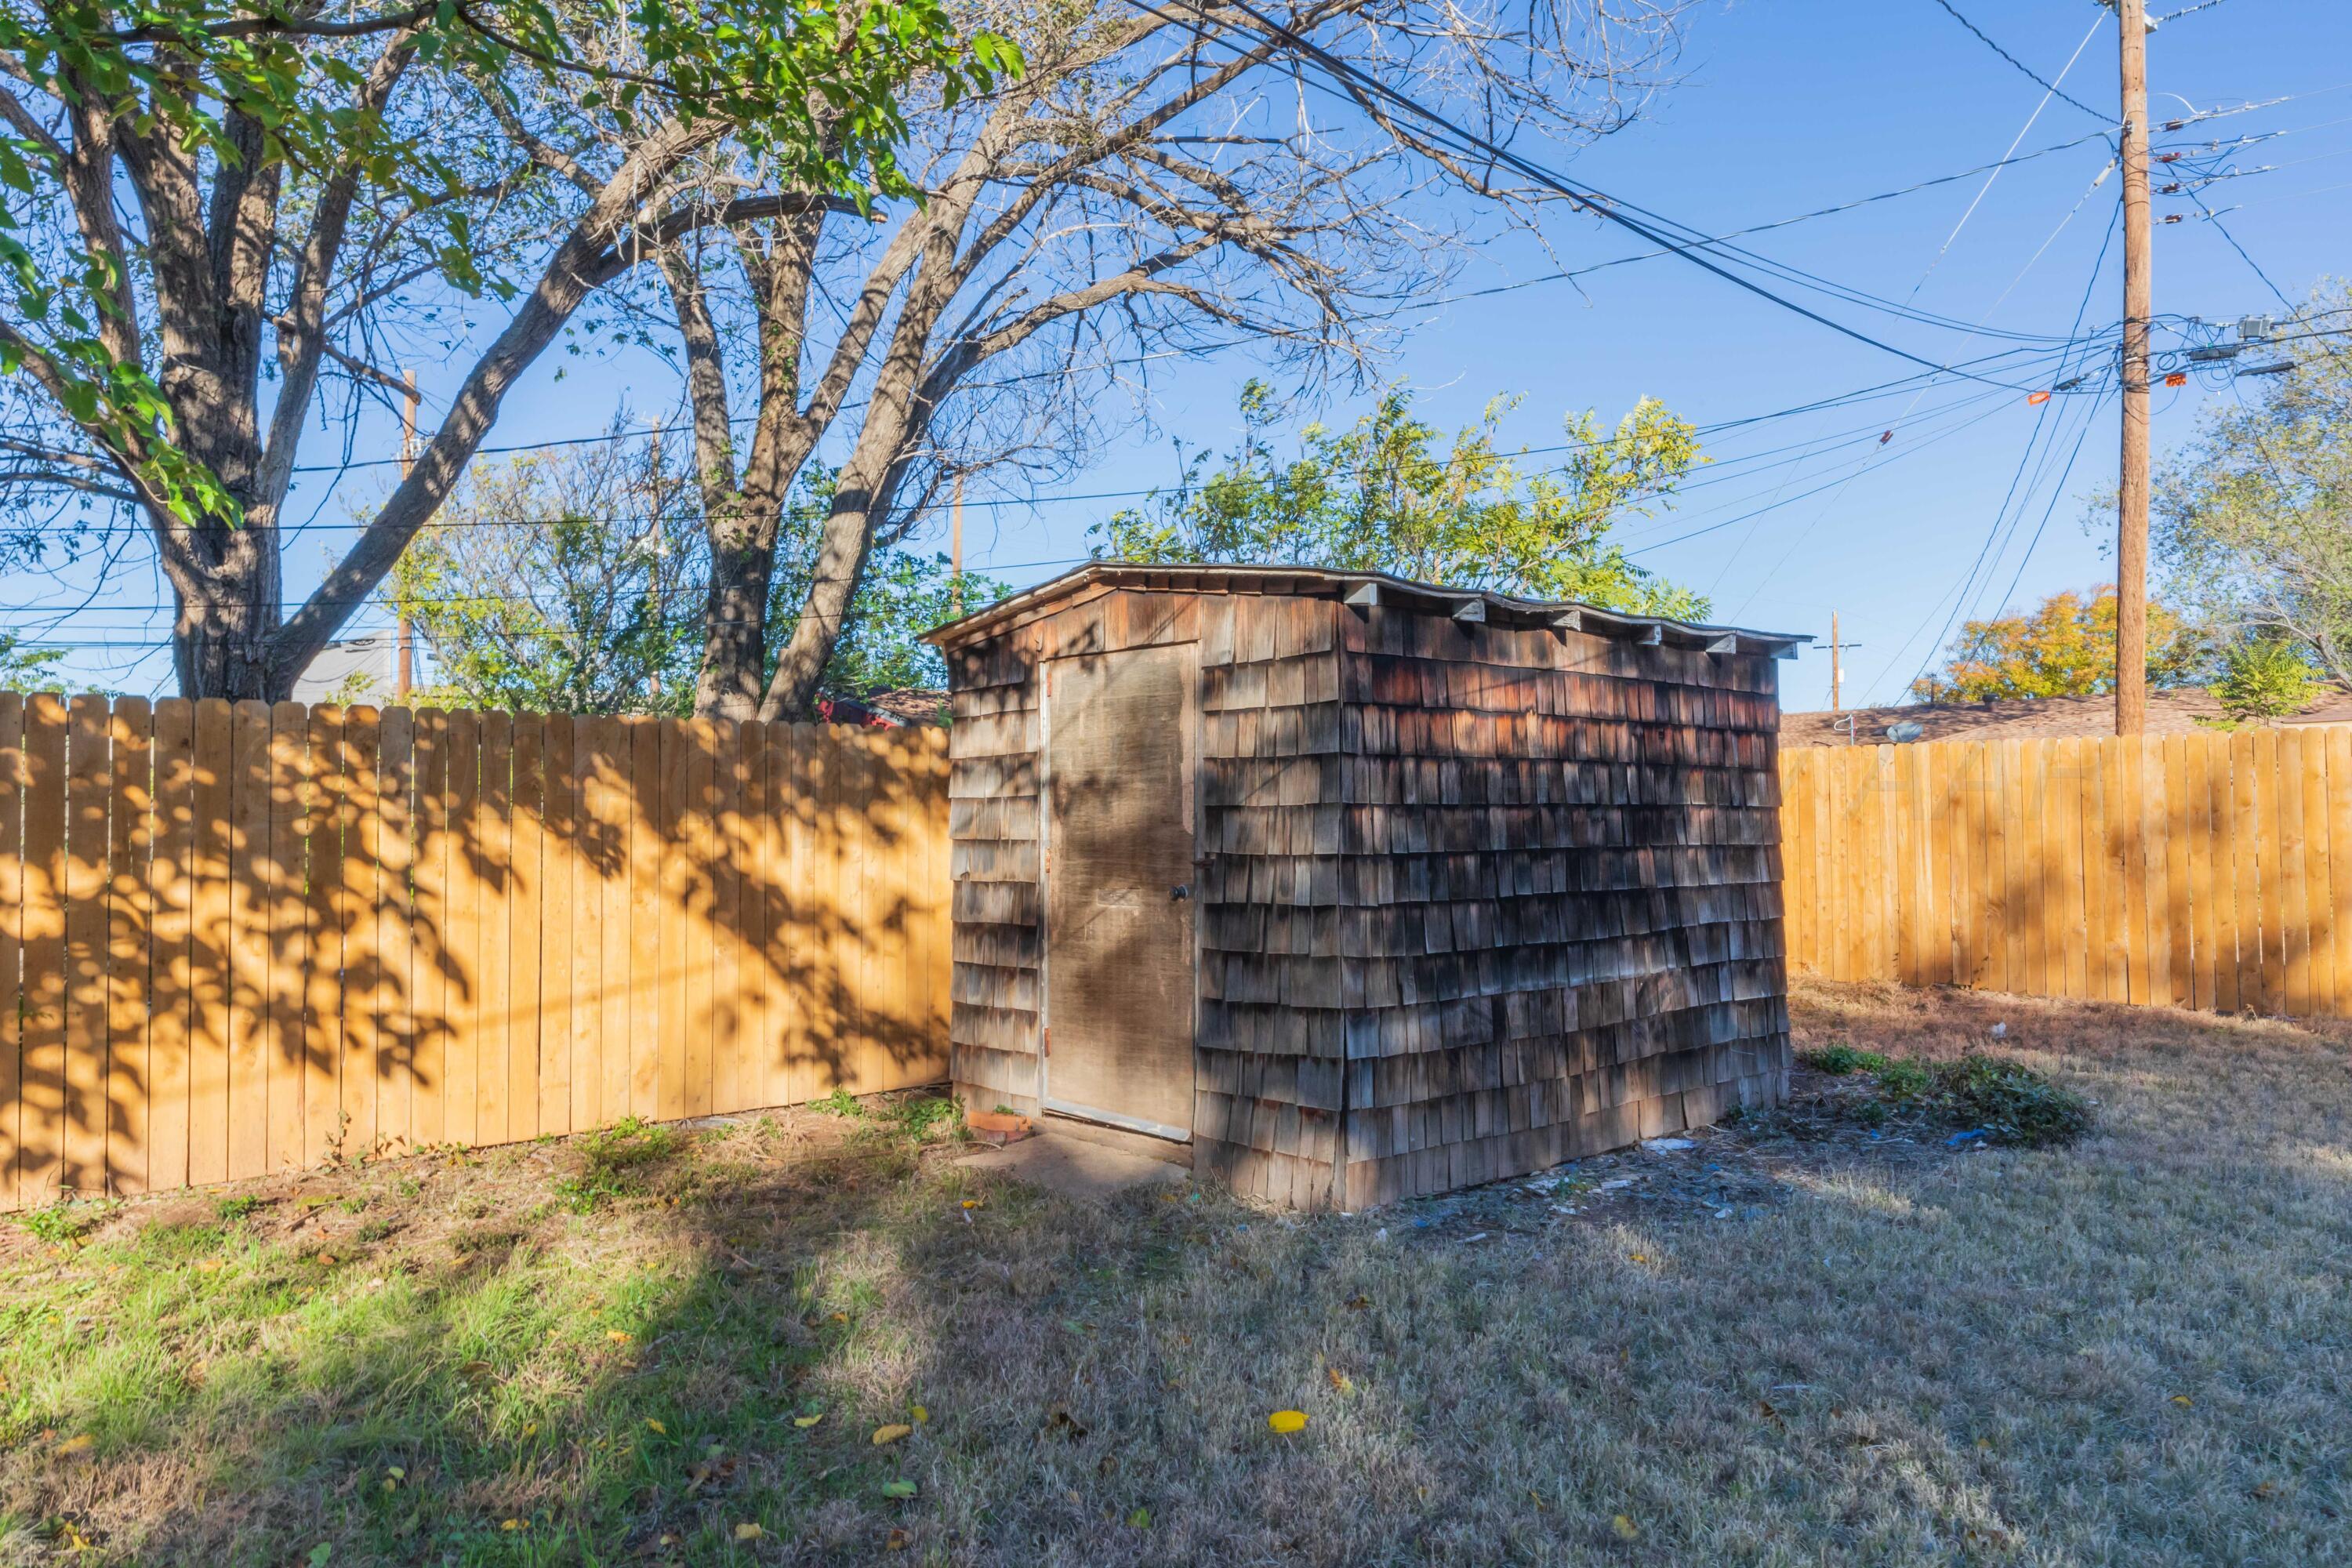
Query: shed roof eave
x,y
1383,588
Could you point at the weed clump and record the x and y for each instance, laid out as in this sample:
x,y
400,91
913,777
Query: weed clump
x,y
59,1225
1989,1098
618,1158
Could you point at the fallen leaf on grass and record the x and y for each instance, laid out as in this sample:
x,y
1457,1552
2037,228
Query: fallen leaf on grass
x,y
326,1260
805,1422
654,1426
900,1489
749,1530
2265,1492
1357,1303
897,1539
972,1202
1624,1526
1287,1421
891,1433
514,1524
530,1429
1140,1519
72,1446
2183,1401
209,1266
1340,1382
918,1414
618,1336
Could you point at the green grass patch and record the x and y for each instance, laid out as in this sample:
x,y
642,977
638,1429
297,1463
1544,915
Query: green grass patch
x,y
2002,1100
619,1159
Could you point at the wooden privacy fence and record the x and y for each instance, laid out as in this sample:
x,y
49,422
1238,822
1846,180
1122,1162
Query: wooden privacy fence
x,y
239,939
2210,870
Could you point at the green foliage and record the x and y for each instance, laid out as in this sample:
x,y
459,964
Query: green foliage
x,y
2066,647
2004,1100
1392,493
922,1116
2251,521
575,581
29,670
616,1162
2265,677
59,1225
840,1102
243,1207
810,87
1840,1060
2010,1102
568,581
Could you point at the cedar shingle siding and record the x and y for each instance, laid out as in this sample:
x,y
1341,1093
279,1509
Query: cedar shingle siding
x,y
1474,897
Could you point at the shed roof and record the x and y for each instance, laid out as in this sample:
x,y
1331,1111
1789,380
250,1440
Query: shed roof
x,y
1364,588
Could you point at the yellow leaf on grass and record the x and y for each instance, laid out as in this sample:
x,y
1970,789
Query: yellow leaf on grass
x,y
654,1426
73,1446
749,1530
891,1433
1340,1382
513,1524
805,1422
531,1429
618,1336
1625,1528
972,1202
2183,1401
1287,1421
395,1472
919,1414
327,1260
209,1266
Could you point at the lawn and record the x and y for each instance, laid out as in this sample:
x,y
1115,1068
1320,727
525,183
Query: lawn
x,y
1813,1338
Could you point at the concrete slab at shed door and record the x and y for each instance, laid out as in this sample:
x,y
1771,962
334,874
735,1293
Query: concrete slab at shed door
x,y
1119,964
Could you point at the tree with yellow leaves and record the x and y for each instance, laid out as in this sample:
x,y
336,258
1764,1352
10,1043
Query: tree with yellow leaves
x,y
2066,647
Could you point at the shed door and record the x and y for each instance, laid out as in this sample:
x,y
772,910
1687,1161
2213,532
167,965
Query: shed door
x,y
1119,913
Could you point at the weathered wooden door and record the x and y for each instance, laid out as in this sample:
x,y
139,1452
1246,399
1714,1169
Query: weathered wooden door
x,y
1118,874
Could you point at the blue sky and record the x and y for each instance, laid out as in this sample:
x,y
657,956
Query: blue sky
x,y
1780,108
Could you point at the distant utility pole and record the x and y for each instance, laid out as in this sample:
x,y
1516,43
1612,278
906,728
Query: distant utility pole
x,y
2139,305
406,675
955,552
1837,668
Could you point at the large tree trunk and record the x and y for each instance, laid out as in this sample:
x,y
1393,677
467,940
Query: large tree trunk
x,y
735,621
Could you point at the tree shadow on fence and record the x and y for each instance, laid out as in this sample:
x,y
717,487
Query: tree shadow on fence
x,y
237,940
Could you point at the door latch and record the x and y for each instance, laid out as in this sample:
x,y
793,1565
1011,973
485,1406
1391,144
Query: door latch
x,y
1179,892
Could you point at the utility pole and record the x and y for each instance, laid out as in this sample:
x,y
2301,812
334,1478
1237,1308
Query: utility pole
x,y
2139,305
1837,668
955,552
406,675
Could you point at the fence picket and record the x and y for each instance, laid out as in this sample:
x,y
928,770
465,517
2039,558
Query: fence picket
x,y
170,889
125,1110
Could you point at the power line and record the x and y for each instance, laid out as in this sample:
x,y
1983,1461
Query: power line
x,y
1986,38
1591,200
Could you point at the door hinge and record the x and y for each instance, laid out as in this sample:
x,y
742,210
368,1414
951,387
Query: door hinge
x,y
1045,1040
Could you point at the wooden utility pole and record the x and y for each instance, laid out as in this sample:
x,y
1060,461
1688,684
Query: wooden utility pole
x,y
406,675
1837,668
955,552
2139,305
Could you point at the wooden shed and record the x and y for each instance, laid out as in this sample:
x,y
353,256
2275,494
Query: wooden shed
x,y
1363,888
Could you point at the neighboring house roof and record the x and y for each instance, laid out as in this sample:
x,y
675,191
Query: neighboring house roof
x,y
374,659
1364,588
2174,710
915,705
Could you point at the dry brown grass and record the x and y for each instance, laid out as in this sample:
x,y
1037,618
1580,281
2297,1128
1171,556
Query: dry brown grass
x,y
2136,1350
